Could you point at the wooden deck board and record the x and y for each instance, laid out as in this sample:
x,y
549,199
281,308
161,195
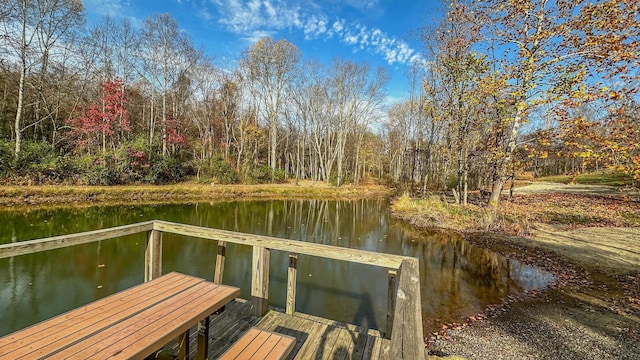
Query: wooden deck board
x,y
316,338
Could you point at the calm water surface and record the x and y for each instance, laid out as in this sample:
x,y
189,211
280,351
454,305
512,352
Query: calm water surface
x,y
457,279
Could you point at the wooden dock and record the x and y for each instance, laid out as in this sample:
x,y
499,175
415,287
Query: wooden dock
x,y
316,338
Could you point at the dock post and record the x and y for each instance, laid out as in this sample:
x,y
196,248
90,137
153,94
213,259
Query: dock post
x,y
260,280
292,275
153,255
391,302
222,251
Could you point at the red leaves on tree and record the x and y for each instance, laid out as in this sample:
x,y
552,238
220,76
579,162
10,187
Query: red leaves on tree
x,y
174,133
109,115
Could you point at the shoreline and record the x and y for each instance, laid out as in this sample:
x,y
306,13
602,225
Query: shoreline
x,y
54,195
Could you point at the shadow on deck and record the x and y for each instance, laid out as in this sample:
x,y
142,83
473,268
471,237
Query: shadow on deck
x,y
316,338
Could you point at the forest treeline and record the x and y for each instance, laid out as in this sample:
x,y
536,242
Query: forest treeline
x,y
501,87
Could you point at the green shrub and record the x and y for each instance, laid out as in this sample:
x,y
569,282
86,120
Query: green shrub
x,y
262,174
6,157
218,171
95,170
132,161
38,161
166,170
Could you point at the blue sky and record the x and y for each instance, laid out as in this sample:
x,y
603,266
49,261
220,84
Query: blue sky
x,y
380,32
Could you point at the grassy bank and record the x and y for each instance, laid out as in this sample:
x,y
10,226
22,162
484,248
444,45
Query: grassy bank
x,y
39,195
520,214
438,213
608,178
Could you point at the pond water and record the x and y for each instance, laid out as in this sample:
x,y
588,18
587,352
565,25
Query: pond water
x,y
457,279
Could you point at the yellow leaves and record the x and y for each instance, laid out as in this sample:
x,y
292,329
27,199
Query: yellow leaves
x,y
614,95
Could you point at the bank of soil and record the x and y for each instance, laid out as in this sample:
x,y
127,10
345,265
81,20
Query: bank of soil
x,y
593,310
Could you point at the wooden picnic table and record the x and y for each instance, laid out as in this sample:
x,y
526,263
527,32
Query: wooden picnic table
x,y
131,324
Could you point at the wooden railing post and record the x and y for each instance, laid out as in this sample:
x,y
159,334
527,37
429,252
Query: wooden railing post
x,y
153,255
407,341
292,275
391,301
222,251
260,280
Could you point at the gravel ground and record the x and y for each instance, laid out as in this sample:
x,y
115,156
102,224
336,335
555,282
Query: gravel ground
x,y
558,326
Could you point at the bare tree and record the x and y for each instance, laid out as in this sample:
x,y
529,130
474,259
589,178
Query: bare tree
x,y
356,96
271,67
166,54
32,29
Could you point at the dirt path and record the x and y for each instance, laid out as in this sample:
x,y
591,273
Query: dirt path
x,y
608,249
594,311
604,248
547,187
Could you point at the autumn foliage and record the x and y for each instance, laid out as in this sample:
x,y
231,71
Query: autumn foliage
x,y
106,120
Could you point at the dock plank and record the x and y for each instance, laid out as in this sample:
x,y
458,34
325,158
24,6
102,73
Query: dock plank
x,y
315,338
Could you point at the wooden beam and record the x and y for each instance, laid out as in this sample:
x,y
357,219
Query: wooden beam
x,y
183,346
260,280
407,340
292,275
203,340
299,247
392,290
57,242
222,252
153,256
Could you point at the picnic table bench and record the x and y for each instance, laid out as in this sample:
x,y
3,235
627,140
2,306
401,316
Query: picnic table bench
x,y
131,324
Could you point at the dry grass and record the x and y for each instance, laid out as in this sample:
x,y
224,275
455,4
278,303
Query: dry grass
x,y
435,212
518,215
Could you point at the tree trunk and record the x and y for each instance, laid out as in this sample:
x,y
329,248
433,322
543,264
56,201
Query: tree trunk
x,y
151,120
18,120
21,84
273,134
500,177
164,123
465,194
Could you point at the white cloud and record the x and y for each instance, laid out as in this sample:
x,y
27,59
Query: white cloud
x,y
314,27
254,18
106,7
265,15
359,4
205,14
338,26
254,36
269,9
